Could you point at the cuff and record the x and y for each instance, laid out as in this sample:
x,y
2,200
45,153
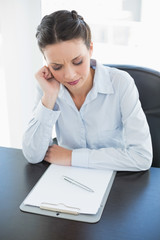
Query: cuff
x,y
46,115
80,158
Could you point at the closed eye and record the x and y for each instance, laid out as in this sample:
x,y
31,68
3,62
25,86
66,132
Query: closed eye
x,y
57,67
78,62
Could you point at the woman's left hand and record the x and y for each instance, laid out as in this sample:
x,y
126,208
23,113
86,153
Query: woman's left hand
x,y
58,155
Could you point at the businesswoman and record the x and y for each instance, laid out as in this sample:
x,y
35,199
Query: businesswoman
x,y
96,110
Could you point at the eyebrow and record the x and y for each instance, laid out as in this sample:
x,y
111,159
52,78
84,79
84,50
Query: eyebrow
x,y
62,64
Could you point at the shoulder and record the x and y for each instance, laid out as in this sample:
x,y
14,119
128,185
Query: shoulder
x,y
120,79
113,73
118,76
110,79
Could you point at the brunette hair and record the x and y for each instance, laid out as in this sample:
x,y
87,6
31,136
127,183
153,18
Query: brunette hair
x,y
61,26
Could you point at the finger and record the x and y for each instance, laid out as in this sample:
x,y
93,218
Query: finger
x,y
50,68
47,158
48,75
55,146
46,72
50,149
42,72
47,154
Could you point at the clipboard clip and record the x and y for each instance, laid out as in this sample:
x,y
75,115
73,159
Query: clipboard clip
x,y
60,208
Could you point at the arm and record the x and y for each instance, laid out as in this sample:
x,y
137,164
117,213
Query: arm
x,y
135,155
137,152
38,135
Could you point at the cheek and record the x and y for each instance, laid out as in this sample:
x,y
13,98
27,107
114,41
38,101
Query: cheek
x,y
57,75
85,69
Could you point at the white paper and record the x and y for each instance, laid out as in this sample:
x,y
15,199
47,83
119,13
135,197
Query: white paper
x,y
54,190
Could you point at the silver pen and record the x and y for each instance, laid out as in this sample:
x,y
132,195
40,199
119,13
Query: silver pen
x,y
70,180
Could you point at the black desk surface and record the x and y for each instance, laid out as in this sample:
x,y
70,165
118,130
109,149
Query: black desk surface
x,y
132,211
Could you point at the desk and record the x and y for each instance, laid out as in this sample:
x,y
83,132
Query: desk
x,y
132,211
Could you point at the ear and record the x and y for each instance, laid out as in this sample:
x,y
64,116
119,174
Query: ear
x,y
91,49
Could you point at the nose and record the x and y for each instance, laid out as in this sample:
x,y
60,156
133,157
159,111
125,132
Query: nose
x,y
69,73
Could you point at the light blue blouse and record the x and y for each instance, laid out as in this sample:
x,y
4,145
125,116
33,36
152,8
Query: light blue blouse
x,y
110,131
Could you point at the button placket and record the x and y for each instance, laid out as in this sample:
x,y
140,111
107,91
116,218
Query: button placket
x,y
82,127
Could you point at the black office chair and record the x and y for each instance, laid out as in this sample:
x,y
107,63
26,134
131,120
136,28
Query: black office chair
x,y
148,83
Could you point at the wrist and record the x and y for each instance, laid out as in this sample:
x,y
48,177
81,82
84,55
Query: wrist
x,y
49,101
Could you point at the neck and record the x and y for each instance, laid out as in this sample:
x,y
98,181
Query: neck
x,y
82,92
79,96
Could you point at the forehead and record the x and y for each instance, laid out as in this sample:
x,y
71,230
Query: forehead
x,y
65,51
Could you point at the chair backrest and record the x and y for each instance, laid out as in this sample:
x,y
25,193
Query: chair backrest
x,y
148,83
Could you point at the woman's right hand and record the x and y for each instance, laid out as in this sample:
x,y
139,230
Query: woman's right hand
x,y
49,85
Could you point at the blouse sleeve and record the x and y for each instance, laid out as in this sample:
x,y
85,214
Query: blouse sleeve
x,y
38,135
137,152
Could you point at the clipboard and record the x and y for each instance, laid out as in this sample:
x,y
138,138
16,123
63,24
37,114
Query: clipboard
x,y
51,209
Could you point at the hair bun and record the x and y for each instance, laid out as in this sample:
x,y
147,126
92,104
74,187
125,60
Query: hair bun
x,y
75,15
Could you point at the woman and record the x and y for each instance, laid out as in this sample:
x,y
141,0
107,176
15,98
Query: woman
x,y
95,109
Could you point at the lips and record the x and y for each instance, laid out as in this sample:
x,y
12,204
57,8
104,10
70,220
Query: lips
x,y
74,82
